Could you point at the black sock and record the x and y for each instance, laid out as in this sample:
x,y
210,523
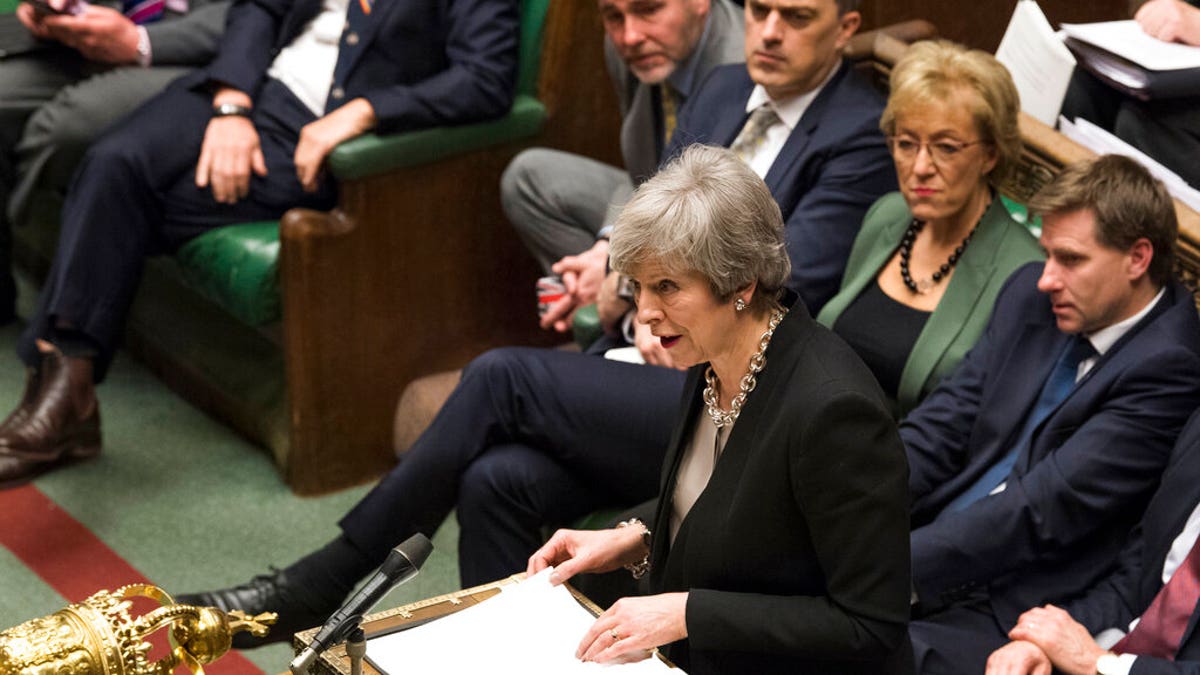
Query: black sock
x,y
74,342
327,575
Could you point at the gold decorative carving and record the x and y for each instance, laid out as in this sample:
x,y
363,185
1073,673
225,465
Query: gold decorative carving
x,y
99,637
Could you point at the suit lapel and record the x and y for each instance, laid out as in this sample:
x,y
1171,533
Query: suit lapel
x,y
367,33
793,150
682,435
302,12
962,294
881,250
1098,376
1030,363
741,440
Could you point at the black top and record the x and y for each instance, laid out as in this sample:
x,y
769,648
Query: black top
x,y
882,331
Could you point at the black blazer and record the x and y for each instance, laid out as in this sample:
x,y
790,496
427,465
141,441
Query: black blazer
x,y
796,554
1127,593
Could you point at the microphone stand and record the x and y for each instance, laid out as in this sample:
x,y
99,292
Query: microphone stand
x,y
401,565
356,649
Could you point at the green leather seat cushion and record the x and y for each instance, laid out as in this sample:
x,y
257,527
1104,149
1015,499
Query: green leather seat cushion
x,y
236,267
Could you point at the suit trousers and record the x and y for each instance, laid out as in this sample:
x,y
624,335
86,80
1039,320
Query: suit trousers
x,y
558,201
956,640
529,437
134,195
55,104
1168,130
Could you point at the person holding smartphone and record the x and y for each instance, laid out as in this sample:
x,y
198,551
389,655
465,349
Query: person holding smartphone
x,y
91,65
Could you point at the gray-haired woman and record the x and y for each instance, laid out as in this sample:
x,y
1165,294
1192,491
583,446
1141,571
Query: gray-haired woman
x,y
781,539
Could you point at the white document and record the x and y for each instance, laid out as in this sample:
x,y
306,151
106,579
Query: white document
x,y
1102,142
1127,40
1040,64
531,627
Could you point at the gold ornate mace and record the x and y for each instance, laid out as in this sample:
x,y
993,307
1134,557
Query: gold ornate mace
x,y
98,637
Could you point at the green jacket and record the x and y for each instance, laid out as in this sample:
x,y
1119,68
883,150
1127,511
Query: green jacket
x,y
999,247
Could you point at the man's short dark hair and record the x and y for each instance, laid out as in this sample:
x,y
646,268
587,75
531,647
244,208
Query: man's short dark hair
x,y
847,6
1127,202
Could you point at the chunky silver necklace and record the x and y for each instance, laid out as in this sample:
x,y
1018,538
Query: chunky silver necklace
x,y
723,418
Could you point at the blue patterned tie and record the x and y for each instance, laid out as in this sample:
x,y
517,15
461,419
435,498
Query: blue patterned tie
x,y
1056,389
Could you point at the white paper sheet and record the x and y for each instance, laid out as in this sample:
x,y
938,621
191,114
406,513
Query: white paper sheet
x,y
1040,64
1126,39
1102,142
530,627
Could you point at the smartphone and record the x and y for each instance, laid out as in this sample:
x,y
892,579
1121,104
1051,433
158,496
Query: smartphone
x,y
44,7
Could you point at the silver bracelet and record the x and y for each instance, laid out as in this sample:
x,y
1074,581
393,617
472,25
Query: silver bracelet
x,y
639,568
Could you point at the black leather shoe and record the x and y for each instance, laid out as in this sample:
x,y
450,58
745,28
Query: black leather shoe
x,y
271,592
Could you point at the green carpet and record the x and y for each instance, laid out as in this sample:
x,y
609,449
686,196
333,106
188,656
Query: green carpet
x,y
185,500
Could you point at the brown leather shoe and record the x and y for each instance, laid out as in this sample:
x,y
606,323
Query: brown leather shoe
x,y
58,419
33,383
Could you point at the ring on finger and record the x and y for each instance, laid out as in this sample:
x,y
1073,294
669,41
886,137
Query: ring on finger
x,y
614,634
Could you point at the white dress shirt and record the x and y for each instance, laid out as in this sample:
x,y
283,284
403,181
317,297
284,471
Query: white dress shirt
x,y
306,65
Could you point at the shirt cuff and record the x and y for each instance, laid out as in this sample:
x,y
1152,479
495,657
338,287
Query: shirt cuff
x,y
1124,664
144,55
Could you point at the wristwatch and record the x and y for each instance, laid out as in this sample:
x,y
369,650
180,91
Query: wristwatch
x,y
1108,664
230,110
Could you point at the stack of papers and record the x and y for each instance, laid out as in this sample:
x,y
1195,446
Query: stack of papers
x,y
1122,54
1102,142
1127,40
530,627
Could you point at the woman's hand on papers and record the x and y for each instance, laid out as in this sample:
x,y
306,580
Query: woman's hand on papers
x,y
1170,21
573,552
633,627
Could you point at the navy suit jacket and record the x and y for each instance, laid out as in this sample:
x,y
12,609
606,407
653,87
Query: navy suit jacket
x,y
1080,487
421,63
1131,588
833,167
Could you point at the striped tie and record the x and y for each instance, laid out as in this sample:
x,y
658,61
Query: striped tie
x,y
143,11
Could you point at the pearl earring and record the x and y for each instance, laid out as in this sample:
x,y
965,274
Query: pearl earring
x,y
740,304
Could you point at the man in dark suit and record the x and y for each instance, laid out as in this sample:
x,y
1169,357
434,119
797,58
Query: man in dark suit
x,y
562,204
1034,459
88,70
1154,583
532,436
243,139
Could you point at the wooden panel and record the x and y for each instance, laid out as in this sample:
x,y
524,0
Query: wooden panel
x,y
982,24
418,271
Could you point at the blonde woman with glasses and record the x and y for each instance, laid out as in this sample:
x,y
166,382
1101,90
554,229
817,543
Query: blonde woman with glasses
x,y
927,265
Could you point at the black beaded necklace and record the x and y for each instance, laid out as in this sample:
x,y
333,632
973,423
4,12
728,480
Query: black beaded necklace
x,y
910,235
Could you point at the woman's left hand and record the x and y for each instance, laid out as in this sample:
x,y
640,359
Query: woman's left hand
x,y
633,627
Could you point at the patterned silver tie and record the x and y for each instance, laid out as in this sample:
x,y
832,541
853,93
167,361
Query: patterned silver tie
x,y
755,132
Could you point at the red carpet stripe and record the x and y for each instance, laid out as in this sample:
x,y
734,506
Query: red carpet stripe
x,y
68,557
